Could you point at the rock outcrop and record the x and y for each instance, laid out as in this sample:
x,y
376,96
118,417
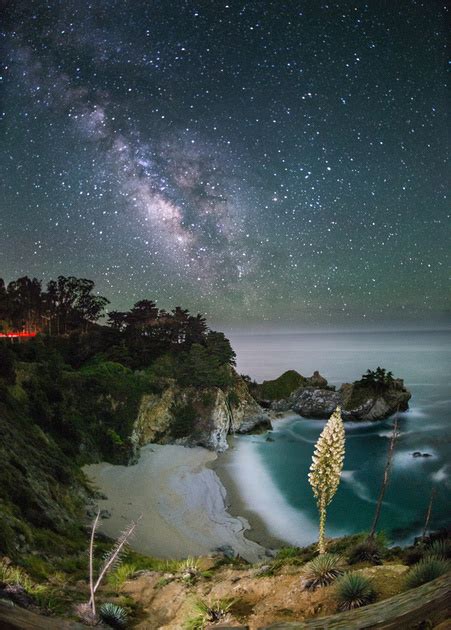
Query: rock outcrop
x,y
202,417
356,401
281,388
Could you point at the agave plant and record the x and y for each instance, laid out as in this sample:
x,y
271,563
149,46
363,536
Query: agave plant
x,y
114,615
440,548
322,570
426,570
354,590
209,612
189,568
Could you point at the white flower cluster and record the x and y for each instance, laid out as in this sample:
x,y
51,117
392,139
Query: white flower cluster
x,y
327,461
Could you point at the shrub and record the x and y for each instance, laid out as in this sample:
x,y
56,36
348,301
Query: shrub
x,y
233,399
354,590
184,420
114,615
414,554
367,551
209,612
322,570
288,552
426,570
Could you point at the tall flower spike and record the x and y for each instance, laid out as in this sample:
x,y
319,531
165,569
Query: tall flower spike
x,y
326,467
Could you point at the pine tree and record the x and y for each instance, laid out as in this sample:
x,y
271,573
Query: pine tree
x,y
326,467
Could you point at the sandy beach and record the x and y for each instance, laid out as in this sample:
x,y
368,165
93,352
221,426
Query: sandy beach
x,y
181,499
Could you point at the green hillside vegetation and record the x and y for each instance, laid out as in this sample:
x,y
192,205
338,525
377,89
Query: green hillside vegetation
x,y
280,387
70,396
374,383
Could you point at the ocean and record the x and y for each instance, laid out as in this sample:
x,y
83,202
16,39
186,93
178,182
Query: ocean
x,y
271,476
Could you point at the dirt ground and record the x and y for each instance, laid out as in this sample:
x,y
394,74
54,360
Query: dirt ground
x,y
166,601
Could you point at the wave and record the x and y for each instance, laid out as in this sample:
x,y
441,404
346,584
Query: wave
x,y
298,438
413,412
359,488
442,475
262,496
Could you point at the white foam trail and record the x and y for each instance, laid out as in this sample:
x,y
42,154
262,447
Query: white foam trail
x,y
298,438
413,412
262,496
358,487
352,426
388,434
442,475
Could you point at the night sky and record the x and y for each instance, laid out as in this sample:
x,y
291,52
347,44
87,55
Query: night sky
x,y
275,163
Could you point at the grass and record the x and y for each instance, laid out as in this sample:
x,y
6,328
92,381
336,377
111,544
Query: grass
x,y
121,574
354,590
322,570
49,597
15,575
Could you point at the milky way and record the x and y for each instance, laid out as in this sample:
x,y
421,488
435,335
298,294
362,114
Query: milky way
x,y
261,162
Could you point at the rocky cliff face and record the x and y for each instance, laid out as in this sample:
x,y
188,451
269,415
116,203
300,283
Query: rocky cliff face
x,y
201,417
357,403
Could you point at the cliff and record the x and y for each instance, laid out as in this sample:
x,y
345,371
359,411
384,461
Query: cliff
x,y
359,401
198,416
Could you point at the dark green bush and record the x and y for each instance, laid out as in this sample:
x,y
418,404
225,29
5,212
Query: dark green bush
x,y
414,554
366,551
184,420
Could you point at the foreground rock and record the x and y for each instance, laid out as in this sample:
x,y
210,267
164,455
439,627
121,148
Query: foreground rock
x,y
359,401
198,417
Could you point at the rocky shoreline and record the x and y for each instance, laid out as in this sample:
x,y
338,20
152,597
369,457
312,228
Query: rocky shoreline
x,y
359,401
206,416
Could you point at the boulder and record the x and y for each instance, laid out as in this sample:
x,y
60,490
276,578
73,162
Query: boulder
x,y
316,380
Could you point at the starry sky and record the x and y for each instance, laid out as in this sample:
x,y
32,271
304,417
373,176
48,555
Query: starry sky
x,y
263,162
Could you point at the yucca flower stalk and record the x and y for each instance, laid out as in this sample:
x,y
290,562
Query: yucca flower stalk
x,y
326,467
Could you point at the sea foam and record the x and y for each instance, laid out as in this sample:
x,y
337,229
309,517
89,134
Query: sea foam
x,y
262,496
359,488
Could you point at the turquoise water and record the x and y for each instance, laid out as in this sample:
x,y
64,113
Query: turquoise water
x,y
272,476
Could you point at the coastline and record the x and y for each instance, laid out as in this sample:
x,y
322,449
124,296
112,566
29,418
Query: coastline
x,y
258,531
183,502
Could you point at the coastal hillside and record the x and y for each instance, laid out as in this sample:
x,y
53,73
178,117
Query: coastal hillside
x,y
203,593
79,392
127,397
